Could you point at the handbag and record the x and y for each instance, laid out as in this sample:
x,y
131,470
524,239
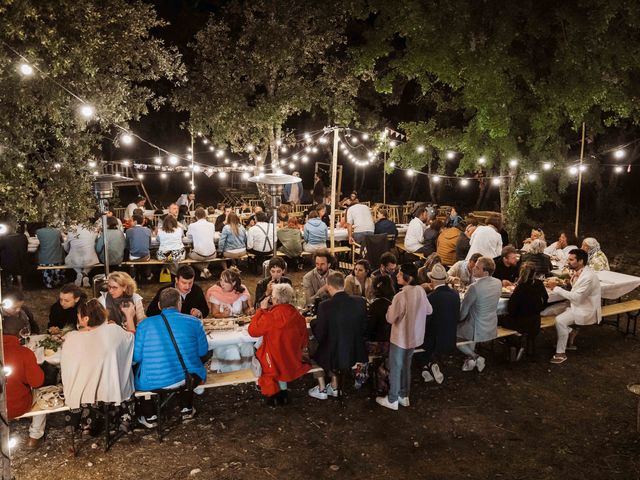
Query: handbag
x,y
165,275
190,381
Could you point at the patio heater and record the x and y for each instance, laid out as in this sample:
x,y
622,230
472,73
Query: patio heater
x,y
274,182
102,188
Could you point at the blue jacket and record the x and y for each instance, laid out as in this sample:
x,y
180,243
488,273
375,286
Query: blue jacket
x,y
315,232
158,364
228,241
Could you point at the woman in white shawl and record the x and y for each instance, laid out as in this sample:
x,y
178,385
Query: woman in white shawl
x,y
81,246
597,259
96,365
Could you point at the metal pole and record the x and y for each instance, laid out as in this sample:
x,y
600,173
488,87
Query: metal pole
x,y
579,183
193,157
384,179
103,210
334,174
4,421
274,209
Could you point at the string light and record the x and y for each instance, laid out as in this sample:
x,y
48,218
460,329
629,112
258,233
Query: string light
x,y
92,164
187,174
126,139
292,166
87,111
234,164
618,169
547,166
189,156
573,170
283,149
393,144
482,160
582,168
496,181
173,160
220,153
126,163
26,69
211,148
532,177
513,163
314,150
619,153
435,178
196,168
250,148
158,160
140,176
451,155
365,137
411,172
226,160
392,164
163,175
245,175
205,141
57,166
464,182
305,159
189,149
323,140
420,149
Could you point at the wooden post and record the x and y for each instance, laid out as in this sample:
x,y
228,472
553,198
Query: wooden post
x,y
334,174
384,179
579,184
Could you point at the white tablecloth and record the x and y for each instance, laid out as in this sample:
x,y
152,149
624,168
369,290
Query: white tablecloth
x,y
341,234
614,284
232,349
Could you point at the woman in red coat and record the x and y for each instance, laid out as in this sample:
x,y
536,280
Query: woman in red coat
x,y
284,337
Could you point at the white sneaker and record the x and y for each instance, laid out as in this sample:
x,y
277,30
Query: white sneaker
x,y
480,363
332,392
315,392
384,401
468,365
404,401
437,374
78,280
151,422
426,374
85,282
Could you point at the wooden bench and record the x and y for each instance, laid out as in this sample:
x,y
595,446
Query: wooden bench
x,y
152,261
403,250
622,308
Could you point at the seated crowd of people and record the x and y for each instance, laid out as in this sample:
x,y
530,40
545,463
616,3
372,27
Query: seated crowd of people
x,y
384,311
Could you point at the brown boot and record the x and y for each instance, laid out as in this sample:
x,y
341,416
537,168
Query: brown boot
x,y
35,443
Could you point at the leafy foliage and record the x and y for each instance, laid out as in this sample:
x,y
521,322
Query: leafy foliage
x,y
103,52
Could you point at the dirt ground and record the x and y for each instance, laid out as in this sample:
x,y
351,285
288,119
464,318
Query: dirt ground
x,y
528,420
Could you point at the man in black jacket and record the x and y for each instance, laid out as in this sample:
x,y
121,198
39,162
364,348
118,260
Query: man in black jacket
x,y
193,300
339,329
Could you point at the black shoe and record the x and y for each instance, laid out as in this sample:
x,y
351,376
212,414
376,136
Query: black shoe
x,y
272,401
283,397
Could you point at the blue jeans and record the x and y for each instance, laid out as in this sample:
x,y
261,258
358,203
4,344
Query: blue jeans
x,y
359,237
399,372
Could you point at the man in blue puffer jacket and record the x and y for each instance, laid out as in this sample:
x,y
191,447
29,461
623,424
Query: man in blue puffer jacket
x,y
158,366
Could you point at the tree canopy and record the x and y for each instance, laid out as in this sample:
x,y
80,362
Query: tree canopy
x,y
104,53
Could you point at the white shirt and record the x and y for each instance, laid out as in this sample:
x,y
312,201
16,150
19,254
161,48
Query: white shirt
x,y
415,234
260,237
129,211
170,241
359,215
202,233
486,241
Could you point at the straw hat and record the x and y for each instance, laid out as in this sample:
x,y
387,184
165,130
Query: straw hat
x,y
438,273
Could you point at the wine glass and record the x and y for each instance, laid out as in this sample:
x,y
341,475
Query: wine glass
x,y
25,333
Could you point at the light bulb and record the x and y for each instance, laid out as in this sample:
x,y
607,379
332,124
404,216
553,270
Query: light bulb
x,y
283,149
189,156
393,144
619,153
26,69
305,159
250,148
618,169
211,148
411,172
513,163
451,155
365,136
126,163
307,136
533,177
140,176
57,166
205,141
314,150
187,174
420,149
496,181
226,160
464,182
546,166
323,140
436,178
92,164
163,175
245,175
392,164
354,140
482,160
234,164
173,160
196,168
126,139
87,111
220,153
222,175
292,166
573,170
158,160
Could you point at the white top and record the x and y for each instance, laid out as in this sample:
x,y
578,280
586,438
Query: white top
x,y
96,366
260,237
486,241
129,210
202,233
235,307
359,215
460,270
170,241
81,245
415,234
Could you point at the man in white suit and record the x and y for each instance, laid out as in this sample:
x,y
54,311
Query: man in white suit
x,y
584,302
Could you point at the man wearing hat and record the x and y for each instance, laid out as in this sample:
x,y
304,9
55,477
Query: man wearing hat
x,y
24,375
440,331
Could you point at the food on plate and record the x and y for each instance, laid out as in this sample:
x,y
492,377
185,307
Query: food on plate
x,y
50,343
48,352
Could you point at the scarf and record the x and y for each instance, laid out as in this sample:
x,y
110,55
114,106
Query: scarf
x,y
594,246
114,313
228,298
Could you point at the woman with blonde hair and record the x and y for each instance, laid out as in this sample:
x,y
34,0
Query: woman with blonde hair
x,y
120,294
233,239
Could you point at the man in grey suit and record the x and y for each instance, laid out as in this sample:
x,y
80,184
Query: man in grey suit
x,y
478,312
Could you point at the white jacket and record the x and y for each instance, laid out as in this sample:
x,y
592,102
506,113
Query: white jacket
x,y
584,298
415,234
486,241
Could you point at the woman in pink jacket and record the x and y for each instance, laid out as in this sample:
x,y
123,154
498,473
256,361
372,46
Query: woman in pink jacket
x,y
407,316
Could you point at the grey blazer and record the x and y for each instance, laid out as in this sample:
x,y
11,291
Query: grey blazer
x,y
479,319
